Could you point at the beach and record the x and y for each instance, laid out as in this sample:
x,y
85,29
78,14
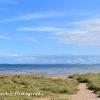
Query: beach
x,y
62,87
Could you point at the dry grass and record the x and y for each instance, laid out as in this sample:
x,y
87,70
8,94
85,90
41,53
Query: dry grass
x,y
49,87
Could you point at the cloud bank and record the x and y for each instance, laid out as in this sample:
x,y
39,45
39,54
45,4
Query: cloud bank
x,y
85,32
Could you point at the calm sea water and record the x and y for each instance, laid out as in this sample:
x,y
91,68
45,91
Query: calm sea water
x,y
61,69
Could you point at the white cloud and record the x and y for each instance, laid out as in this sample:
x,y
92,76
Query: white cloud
x,y
41,29
87,32
8,54
15,55
3,37
32,16
27,38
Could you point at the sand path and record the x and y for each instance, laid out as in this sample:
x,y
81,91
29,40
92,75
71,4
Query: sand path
x,y
83,94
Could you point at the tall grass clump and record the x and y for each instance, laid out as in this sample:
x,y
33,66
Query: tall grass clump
x,y
31,84
92,80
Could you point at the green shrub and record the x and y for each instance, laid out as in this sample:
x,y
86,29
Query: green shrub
x,y
92,80
31,84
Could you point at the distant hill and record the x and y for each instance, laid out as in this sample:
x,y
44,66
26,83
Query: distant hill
x,y
68,59
51,60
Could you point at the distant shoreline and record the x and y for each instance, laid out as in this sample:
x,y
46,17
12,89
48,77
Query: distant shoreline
x,y
76,64
48,70
46,75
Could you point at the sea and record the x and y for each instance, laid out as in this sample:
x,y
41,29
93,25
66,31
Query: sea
x,y
48,69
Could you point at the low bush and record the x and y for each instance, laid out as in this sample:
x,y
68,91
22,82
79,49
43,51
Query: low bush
x,y
92,80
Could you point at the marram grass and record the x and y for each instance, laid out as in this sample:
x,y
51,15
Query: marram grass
x,y
92,80
31,84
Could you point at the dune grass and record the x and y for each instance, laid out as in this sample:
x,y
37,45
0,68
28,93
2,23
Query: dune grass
x,y
92,80
47,87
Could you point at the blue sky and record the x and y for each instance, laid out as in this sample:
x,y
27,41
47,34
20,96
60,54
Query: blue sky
x,y
49,27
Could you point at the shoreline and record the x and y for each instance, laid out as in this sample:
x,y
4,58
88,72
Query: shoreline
x,y
46,75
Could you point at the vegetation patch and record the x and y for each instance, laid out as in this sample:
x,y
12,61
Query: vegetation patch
x,y
21,85
92,80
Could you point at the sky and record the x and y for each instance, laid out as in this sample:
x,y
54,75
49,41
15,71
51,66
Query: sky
x,y
49,27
